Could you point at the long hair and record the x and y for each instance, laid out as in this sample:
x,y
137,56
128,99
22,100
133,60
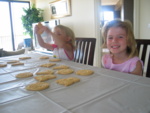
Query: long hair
x,y
69,33
127,26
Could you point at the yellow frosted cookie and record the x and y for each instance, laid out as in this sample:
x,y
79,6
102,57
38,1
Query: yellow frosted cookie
x,y
84,72
45,72
12,61
18,63
61,67
42,78
65,71
55,60
3,65
38,86
24,58
67,81
44,57
47,65
24,75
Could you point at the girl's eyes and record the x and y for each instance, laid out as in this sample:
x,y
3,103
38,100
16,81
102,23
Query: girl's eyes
x,y
110,37
120,36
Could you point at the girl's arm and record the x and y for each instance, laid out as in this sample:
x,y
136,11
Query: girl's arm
x,y
39,30
138,70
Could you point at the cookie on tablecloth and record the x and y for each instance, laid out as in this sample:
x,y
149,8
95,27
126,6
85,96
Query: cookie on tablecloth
x,y
44,57
42,78
55,60
47,65
45,72
18,63
65,71
24,58
38,86
24,75
3,65
84,72
61,67
67,81
12,61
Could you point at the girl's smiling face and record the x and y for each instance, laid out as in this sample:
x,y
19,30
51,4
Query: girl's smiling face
x,y
117,40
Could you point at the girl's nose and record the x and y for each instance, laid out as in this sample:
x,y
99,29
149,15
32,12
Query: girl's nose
x,y
114,39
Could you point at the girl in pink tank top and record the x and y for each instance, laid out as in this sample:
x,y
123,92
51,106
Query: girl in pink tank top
x,y
123,56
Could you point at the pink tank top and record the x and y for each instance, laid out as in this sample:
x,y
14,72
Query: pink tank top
x,y
127,66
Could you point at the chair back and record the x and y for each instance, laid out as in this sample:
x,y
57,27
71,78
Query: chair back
x,y
143,46
85,49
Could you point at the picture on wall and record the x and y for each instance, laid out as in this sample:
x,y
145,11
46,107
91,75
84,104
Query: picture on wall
x,y
60,8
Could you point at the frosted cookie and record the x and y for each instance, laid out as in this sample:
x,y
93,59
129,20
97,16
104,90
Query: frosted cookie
x,y
3,65
61,67
84,72
37,86
44,57
24,75
18,63
42,78
24,58
67,81
12,61
65,71
47,65
45,72
55,60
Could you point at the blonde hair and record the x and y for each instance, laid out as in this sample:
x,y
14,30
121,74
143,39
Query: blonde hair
x,y
127,26
69,33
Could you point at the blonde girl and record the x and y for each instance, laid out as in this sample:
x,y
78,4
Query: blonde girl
x,y
64,41
119,39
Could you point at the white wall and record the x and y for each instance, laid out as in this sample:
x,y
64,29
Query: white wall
x,y
142,18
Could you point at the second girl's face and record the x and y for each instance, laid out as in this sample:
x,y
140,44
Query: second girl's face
x,y
60,33
117,40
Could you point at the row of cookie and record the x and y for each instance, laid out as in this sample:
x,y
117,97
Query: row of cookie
x,y
49,75
38,86
41,85
14,62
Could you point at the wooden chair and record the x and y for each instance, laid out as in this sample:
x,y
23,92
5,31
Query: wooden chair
x,y
85,48
143,46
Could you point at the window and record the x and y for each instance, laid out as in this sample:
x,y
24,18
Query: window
x,y
11,29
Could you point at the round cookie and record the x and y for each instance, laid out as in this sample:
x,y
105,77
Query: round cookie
x,y
45,72
18,63
48,65
84,72
24,58
44,57
24,75
3,65
65,71
42,78
12,61
38,86
61,67
55,60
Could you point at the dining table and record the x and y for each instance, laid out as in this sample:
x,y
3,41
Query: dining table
x,y
104,91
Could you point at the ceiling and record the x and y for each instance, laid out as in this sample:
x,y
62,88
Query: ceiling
x,y
109,2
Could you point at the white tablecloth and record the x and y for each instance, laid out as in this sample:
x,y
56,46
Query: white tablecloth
x,y
105,91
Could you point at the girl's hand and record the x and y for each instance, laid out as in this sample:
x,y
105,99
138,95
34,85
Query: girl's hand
x,y
39,29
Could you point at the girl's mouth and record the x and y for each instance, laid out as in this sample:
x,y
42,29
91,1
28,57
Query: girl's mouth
x,y
115,47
